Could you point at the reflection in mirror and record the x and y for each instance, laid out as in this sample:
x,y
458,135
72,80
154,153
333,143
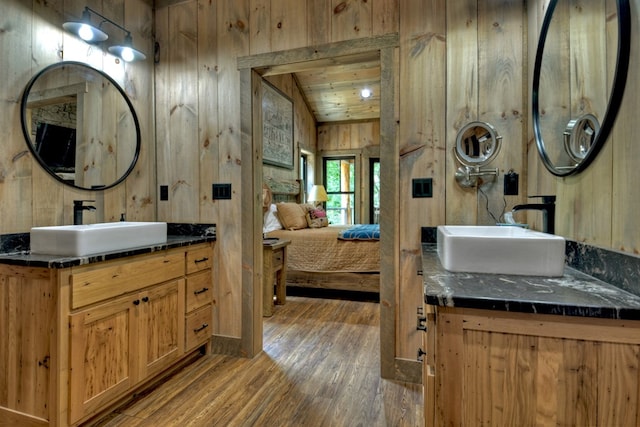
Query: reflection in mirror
x,y
80,126
575,96
579,136
477,144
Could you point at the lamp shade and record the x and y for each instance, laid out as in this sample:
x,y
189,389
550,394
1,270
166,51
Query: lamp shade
x,y
85,29
126,50
317,194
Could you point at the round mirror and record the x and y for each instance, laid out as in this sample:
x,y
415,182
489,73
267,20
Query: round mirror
x,y
80,126
477,144
575,98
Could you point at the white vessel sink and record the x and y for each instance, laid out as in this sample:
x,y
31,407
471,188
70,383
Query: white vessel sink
x,y
500,250
80,240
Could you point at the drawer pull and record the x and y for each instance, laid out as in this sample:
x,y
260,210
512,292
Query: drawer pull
x,y
204,326
422,320
136,302
198,261
145,299
201,291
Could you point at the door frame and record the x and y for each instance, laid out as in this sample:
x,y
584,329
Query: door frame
x,y
251,69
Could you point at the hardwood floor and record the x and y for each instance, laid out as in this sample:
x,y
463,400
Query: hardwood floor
x,y
320,367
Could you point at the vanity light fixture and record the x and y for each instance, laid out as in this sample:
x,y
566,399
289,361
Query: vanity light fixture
x,y
94,34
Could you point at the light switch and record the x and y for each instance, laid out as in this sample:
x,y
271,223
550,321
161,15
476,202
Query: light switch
x,y
422,187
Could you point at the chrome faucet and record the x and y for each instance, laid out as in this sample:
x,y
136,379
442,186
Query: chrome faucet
x,y
78,207
548,208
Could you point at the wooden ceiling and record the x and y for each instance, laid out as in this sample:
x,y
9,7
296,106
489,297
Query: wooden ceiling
x,y
332,87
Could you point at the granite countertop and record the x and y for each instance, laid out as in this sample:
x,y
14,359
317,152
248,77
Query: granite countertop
x,y
573,294
16,251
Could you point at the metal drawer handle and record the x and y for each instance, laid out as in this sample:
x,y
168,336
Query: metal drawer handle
x,y
201,260
201,291
204,326
422,320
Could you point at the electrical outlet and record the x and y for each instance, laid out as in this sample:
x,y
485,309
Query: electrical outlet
x,y
511,184
164,192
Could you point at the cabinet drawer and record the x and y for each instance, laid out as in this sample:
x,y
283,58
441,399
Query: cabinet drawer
x,y
277,259
198,327
199,290
199,258
97,282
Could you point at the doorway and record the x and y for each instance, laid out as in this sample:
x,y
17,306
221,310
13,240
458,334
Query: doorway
x,y
251,69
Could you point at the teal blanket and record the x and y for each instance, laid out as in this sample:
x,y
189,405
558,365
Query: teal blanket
x,y
361,232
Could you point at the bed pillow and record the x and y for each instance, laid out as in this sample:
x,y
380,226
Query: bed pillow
x,y
317,218
271,221
292,216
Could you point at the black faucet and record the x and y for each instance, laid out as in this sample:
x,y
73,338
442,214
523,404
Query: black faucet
x,y
78,207
548,208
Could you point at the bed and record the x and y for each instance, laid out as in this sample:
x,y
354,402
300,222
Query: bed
x,y
335,257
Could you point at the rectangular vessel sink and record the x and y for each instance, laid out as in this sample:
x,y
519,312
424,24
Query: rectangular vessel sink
x,y
500,250
80,240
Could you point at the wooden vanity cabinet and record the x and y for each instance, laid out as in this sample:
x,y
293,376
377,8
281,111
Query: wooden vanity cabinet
x,y
119,343
428,365
198,319
83,337
488,367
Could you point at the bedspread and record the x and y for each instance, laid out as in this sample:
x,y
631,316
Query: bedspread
x,y
320,250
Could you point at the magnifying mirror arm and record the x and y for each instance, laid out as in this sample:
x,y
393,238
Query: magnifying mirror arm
x,y
467,176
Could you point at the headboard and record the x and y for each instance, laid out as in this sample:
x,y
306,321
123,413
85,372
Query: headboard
x,y
284,190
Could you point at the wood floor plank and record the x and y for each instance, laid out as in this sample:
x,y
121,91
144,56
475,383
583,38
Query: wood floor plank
x,y
320,367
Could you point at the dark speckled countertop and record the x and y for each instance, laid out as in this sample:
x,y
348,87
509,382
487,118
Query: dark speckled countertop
x,y
574,294
15,247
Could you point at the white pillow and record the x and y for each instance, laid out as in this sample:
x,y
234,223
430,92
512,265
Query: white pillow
x,y
271,221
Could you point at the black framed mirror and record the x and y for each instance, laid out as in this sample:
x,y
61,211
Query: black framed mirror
x,y
80,126
573,95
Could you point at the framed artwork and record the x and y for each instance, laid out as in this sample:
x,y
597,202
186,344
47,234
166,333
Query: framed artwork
x,y
277,127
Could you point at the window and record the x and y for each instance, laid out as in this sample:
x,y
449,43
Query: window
x,y
304,170
339,181
374,191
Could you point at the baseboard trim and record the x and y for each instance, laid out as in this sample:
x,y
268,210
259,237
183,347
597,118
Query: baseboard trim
x,y
227,345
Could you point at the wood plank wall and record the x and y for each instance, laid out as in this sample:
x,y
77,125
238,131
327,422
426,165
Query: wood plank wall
x,y
304,128
31,37
358,139
600,205
459,61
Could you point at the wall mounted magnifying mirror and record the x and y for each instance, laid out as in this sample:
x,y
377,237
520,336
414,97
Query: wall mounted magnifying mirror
x,y
80,126
576,91
477,144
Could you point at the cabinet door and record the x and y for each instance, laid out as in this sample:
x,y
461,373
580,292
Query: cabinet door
x,y
161,330
101,346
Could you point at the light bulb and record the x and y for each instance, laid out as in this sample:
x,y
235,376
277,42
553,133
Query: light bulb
x,y
127,54
85,32
365,93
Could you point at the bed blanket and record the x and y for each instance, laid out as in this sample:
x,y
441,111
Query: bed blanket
x,y
319,250
361,232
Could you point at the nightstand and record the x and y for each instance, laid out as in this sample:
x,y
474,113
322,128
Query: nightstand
x,y
274,253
